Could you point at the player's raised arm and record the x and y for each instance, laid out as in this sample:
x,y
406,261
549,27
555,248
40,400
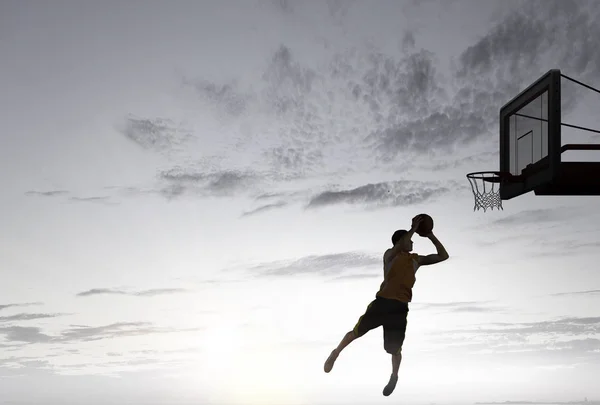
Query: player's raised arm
x,y
440,256
392,252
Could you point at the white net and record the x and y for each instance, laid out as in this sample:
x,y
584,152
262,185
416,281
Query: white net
x,y
486,190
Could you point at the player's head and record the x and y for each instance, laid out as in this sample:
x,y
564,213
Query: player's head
x,y
400,237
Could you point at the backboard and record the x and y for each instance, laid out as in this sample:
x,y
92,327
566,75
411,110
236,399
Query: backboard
x,y
530,142
531,149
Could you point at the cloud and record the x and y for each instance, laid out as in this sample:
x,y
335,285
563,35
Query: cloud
x,y
223,97
26,304
528,32
57,193
472,161
358,276
182,180
332,264
537,216
24,334
142,293
160,291
294,157
28,317
588,292
362,108
264,208
361,104
105,200
115,330
571,326
266,196
158,134
83,333
559,342
528,41
98,291
398,193
50,193
469,307
287,82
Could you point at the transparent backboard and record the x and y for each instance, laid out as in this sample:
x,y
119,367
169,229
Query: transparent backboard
x,y
528,129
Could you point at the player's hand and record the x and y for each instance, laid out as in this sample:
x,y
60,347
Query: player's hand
x,y
416,221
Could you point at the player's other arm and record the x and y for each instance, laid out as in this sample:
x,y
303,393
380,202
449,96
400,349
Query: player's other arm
x,y
440,256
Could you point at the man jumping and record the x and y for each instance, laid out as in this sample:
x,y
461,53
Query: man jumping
x,y
390,307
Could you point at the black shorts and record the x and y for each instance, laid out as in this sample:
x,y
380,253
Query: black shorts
x,y
392,315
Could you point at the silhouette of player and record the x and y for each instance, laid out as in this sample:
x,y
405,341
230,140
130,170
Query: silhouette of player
x,y
390,307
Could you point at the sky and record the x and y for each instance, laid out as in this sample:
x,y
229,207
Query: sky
x,y
197,197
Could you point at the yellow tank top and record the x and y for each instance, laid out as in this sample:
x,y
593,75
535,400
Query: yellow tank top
x,y
400,277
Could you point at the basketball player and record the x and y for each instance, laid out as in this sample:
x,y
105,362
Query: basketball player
x,y
390,307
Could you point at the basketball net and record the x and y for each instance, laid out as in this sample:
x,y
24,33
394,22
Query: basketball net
x,y
486,194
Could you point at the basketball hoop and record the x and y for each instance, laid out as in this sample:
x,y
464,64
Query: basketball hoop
x,y
488,197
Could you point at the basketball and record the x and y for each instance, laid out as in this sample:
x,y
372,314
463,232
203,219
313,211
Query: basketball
x,y
426,225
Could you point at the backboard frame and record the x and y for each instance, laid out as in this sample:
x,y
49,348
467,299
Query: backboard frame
x,y
546,170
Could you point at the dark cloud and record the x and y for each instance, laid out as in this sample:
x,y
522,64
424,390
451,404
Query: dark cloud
x,y
472,161
287,82
399,193
443,129
530,31
333,264
224,97
527,42
294,158
157,133
142,293
183,180
363,102
264,208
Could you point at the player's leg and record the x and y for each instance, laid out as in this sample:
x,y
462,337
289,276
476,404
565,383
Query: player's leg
x,y
391,385
346,340
394,333
371,319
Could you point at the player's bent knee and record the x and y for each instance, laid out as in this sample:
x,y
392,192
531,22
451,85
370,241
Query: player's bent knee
x,y
393,349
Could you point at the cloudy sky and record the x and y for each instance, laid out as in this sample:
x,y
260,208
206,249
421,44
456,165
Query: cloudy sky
x,y
196,198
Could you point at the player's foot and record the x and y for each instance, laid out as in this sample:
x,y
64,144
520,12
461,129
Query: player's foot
x,y
330,360
389,388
